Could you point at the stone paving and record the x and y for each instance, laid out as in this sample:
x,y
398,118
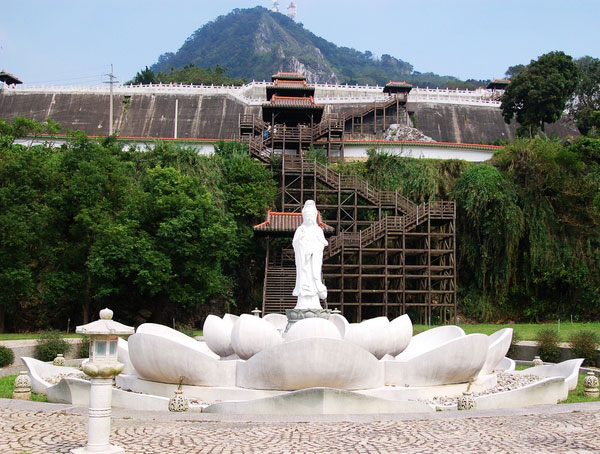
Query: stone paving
x,y
34,429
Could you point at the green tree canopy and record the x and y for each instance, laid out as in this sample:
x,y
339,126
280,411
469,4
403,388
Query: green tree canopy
x,y
585,104
539,93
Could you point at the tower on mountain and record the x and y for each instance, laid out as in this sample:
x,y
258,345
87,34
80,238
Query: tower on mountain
x,y
292,10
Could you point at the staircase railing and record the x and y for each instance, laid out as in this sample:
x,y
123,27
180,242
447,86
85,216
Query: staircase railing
x,y
377,229
335,180
361,111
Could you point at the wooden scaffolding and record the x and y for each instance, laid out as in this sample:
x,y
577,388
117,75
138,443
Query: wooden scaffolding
x,y
388,256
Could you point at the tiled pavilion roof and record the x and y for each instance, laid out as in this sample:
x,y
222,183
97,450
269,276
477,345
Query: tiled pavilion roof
x,y
279,222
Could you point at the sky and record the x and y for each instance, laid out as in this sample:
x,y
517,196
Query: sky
x,y
74,42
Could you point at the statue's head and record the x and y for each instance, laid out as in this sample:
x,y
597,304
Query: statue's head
x,y
309,213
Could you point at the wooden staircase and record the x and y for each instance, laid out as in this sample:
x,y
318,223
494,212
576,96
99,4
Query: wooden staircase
x,y
280,279
395,224
349,183
362,111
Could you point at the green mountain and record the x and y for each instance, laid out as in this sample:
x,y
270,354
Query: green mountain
x,y
255,43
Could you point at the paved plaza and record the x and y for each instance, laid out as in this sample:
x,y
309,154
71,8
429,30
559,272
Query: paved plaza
x,y
29,427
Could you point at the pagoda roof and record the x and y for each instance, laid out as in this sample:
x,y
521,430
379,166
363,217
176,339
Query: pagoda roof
x,y
286,223
288,83
8,78
403,84
498,83
287,76
395,87
293,102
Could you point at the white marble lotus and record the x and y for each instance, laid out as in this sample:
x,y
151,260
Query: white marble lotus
x,y
455,361
309,363
250,364
498,345
373,335
217,334
312,328
252,334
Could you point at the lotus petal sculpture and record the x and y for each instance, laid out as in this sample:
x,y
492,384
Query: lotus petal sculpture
x,y
312,328
279,321
167,356
251,335
373,335
429,340
311,362
369,366
340,322
457,360
401,331
217,334
498,345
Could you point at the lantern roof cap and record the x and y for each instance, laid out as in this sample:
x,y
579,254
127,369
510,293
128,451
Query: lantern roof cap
x,y
106,325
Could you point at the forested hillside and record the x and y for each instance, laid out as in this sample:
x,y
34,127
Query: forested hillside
x,y
162,234
167,233
528,234
256,43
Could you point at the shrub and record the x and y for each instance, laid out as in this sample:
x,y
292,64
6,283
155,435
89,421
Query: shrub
x,y
188,330
548,343
50,344
583,345
7,356
84,349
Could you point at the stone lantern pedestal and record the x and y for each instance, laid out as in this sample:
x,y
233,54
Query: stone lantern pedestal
x,y
102,366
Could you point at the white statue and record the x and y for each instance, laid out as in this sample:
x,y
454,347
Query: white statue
x,y
309,242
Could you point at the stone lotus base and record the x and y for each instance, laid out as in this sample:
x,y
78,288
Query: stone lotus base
x,y
319,365
294,315
318,401
136,393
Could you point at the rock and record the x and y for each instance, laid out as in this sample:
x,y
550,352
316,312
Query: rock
x,y
400,132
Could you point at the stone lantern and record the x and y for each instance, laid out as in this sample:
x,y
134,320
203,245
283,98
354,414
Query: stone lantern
x,y
102,366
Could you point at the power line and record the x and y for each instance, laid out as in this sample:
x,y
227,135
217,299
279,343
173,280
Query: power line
x,y
91,76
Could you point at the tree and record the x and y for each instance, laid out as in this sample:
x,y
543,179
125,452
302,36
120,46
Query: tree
x,y
144,77
515,70
539,94
25,188
584,107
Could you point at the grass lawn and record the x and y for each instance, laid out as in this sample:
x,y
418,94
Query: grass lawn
x,y
525,331
7,386
19,336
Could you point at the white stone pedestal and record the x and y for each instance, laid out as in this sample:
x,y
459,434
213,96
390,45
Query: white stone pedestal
x,y
99,419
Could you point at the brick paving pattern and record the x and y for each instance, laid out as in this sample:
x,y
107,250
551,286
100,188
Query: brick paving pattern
x,y
57,432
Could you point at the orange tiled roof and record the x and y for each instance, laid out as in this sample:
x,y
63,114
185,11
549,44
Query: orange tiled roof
x,y
288,76
282,83
9,78
287,223
392,83
293,101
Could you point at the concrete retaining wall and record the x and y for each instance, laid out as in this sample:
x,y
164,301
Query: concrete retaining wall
x,y
216,115
526,350
26,347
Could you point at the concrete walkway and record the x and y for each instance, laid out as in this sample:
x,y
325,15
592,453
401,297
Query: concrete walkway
x,y
30,427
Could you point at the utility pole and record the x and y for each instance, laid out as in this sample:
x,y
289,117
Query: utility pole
x,y
110,114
